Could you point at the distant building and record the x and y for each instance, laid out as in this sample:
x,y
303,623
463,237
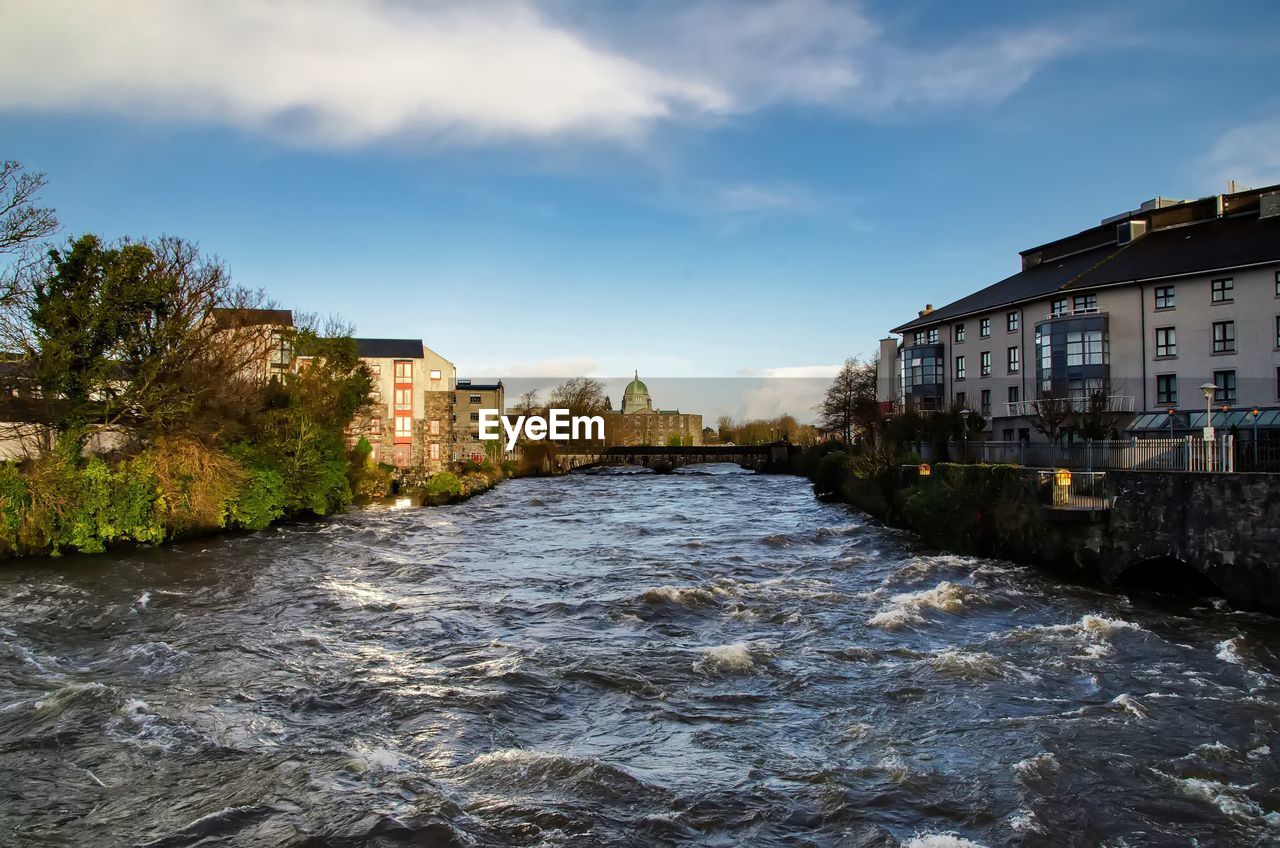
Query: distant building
x,y
469,398
640,424
410,421
268,332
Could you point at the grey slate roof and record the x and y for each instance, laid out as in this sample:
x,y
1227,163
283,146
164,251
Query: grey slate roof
x,y
389,348
1039,281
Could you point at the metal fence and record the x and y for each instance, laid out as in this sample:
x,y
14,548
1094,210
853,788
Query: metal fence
x,y
1191,453
1076,490
1252,455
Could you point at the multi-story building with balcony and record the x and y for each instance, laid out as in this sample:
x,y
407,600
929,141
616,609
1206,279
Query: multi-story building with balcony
x,y
1128,318
469,399
410,421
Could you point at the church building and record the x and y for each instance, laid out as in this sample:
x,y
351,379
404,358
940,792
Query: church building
x,y
640,424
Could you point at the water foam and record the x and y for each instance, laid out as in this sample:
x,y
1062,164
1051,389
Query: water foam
x,y
905,609
726,659
940,840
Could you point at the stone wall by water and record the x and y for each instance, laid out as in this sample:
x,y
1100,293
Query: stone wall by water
x,y
1199,533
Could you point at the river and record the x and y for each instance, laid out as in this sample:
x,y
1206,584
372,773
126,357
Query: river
x,y
705,658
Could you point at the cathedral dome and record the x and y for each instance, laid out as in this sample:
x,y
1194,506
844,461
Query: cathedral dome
x,y
636,397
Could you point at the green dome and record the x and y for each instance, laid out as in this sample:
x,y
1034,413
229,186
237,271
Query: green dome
x,y
636,397
635,387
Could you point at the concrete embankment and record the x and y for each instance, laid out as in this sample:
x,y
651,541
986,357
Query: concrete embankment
x,y
1185,533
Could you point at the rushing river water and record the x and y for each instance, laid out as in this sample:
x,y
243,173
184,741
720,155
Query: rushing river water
x,y
703,658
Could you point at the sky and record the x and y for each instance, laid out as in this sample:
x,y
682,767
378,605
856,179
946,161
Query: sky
x,y
697,189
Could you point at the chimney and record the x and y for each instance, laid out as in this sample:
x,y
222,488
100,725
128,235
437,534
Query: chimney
x,y
928,307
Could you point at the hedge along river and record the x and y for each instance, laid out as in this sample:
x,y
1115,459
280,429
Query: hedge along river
x,y
705,658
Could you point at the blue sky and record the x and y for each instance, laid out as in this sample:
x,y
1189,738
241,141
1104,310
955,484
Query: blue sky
x,y
703,188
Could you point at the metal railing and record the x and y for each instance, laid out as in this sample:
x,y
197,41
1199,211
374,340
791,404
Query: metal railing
x,y
1190,453
1089,491
1254,456
1115,403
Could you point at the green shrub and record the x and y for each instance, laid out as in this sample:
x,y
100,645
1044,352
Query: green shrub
x,y
260,500
828,476
15,503
444,483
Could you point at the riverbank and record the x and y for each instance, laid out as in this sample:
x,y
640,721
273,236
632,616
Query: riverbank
x,y
1199,535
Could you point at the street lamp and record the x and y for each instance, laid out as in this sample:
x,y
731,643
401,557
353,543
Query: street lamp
x,y
1171,412
1208,390
1256,413
964,432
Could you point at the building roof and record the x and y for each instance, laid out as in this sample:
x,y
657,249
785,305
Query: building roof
x,y
1038,281
483,387
1184,238
227,318
1201,247
636,388
389,348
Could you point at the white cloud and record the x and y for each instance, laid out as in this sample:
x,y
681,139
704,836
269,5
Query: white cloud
x,y
747,198
333,71
1247,154
348,72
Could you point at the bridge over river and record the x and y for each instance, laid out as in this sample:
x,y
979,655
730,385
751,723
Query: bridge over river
x,y
668,458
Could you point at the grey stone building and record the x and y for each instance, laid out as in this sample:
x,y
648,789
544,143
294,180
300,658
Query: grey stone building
x,y
1131,315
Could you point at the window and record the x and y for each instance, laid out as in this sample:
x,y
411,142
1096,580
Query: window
x,y
960,399
918,338
435,375
475,416
1225,381
986,401
1166,342
985,363
960,327
1164,297
404,426
435,450
933,336
1058,307
921,369
1015,394
1167,389
1222,291
375,368
959,367
1224,336
404,372
1011,322
404,399
1085,303
403,455
1007,434
1013,360
1278,331
474,399
1086,348
434,427
1277,283
984,327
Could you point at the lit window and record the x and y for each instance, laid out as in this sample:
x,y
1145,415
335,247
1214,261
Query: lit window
x,y
1164,297
435,375
1224,336
1166,342
1222,291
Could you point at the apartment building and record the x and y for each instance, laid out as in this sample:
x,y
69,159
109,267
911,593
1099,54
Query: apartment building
x,y
469,399
266,336
410,422
1141,310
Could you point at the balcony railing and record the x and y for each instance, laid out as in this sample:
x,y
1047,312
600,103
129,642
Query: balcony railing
x,y
1072,313
1115,403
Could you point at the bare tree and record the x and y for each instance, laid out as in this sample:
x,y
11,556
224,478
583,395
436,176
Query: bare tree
x,y
579,395
1050,415
849,406
528,402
